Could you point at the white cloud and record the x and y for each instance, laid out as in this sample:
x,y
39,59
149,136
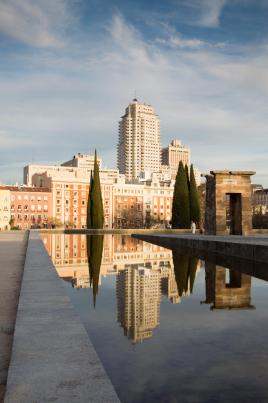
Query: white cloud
x,y
205,13
212,99
37,23
211,12
173,39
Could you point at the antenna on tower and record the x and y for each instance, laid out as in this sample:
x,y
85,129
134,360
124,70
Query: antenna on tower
x,y
135,96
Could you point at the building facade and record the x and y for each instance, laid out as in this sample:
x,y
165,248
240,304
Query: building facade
x,y
30,207
4,209
173,154
138,147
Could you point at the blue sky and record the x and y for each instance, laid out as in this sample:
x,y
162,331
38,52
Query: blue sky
x,y
68,69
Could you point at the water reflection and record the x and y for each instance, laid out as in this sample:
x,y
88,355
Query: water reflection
x,y
227,289
194,354
94,256
144,273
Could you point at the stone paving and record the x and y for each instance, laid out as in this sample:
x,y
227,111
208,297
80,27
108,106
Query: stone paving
x,y
12,253
53,358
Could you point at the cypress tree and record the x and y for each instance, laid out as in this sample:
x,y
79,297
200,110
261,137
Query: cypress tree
x,y
187,176
194,198
180,205
97,215
89,203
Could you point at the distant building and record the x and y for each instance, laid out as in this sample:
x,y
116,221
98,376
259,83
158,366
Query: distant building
x,y
260,201
4,209
30,207
82,161
173,154
138,147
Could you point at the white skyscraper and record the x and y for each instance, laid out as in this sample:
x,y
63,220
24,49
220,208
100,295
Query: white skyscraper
x,y
139,140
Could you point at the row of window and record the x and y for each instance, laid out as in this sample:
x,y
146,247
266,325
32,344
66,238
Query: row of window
x,y
31,198
32,207
31,217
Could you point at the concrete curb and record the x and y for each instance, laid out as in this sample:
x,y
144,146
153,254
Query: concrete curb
x,y
253,248
52,356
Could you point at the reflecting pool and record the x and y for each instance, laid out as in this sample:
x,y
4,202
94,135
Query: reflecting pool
x,y
168,326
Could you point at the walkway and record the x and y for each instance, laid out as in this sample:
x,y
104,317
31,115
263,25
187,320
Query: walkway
x,y
12,252
53,358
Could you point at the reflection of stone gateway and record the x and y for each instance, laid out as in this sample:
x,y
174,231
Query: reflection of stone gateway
x,y
222,293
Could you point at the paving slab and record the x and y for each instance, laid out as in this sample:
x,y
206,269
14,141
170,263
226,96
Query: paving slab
x,y
53,358
12,254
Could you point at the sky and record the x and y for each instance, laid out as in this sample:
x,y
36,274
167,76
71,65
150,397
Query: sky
x,y
69,68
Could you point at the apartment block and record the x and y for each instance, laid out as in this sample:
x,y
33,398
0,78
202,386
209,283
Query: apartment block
x,y
138,147
4,209
30,207
173,154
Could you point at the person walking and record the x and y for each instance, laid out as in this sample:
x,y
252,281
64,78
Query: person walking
x,y
193,227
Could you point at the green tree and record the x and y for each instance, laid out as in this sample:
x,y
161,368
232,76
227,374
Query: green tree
x,y
89,203
194,198
95,215
187,176
180,205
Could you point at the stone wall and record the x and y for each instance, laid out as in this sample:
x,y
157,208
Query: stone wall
x,y
219,185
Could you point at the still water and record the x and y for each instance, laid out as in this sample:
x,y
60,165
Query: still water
x,y
168,327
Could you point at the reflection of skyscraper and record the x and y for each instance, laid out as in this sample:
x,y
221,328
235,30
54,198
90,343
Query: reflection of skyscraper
x,y
138,296
169,285
227,289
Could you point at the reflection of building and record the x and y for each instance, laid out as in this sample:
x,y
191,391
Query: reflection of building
x,y
227,289
138,296
144,272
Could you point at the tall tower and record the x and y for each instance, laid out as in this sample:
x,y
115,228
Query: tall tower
x,y
138,147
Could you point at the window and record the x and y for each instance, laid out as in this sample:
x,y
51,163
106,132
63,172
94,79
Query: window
x,y
25,197
19,197
32,198
45,198
45,207
19,207
39,198
32,207
39,208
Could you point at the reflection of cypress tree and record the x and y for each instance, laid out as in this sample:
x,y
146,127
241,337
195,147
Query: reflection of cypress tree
x,y
192,271
94,253
181,265
185,271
